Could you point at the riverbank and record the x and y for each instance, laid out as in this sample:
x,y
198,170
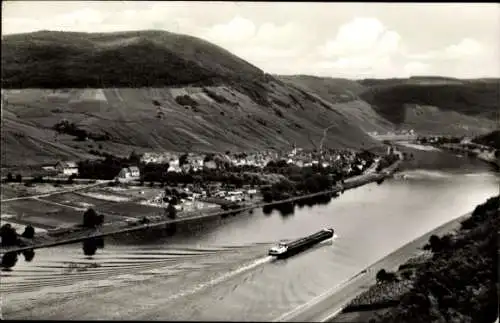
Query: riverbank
x,y
72,235
466,241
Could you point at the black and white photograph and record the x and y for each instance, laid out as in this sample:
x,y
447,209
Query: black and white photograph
x,y
265,161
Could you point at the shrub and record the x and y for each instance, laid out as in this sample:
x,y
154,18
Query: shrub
x,y
8,235
71,178
29,232
91,219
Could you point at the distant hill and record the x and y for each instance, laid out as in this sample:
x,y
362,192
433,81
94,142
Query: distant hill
x,y
473,98
155,90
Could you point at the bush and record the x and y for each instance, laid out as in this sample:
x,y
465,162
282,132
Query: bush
x,y
71,179
29,232
91,219
8,235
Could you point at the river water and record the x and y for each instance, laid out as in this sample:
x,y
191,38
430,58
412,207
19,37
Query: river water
x,y
222,272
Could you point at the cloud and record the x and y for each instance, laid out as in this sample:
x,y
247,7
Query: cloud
x,y
260,45
362,37
362,46
466,48
416,68
235,31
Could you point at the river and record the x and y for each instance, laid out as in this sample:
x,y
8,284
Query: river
x,y
222,272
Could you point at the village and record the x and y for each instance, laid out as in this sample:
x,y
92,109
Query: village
x,y
162,185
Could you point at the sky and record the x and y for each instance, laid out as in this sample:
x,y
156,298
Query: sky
x,y
346,40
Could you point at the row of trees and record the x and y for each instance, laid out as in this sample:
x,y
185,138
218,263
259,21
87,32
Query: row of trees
x,y
18,178
459,284
387,161
301,185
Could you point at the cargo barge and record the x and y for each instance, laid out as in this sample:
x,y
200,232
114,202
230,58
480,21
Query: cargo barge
x,y
287,249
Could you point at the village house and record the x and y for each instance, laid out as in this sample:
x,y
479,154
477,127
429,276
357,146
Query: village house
x,y
131,172
67,168
210,164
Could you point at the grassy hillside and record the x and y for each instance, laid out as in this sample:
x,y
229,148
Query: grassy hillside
x,y
151,118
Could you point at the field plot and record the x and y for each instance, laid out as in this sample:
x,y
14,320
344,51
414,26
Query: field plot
x,y
120,209
40,213
10,191
134,193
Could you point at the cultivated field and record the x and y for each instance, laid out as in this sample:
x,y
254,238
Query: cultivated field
x,y
40,213
123,208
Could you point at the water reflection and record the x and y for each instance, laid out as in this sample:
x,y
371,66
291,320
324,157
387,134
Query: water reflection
x,y
90,246
29,255
288,208
9,259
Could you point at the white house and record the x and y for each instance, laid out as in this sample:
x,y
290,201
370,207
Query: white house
x,y
67,168
134,171
174,168
131,172
210,164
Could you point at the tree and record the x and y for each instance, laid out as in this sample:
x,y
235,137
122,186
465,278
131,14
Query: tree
x,y
381,274
19,178
91,219
8,235
174,200
183,159
134,158
71,178
29,232
10,177
171,211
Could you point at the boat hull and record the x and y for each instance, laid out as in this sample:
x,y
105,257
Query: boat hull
x,y
301,245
